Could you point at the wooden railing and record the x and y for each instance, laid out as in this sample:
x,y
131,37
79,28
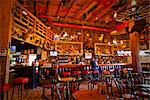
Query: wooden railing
x,y
26,21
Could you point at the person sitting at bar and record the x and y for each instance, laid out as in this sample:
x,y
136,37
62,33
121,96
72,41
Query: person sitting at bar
x,y
94,64
77,59
82,60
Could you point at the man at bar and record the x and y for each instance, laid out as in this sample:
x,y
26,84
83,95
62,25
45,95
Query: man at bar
x,y
94,63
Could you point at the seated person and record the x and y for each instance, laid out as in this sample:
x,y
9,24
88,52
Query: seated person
x,y
94,64
82,60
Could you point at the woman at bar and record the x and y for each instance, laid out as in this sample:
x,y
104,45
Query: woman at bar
x,y
82,60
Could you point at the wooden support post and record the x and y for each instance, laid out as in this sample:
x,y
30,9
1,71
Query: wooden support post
x,y
5,38
134,42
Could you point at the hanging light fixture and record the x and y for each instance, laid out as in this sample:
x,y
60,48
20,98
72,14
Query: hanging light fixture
x,y
115,14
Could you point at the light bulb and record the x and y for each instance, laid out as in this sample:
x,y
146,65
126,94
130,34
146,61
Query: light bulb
x,y
114,41
121,42
115,14
133,2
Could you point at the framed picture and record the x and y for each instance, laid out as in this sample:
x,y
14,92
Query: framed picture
x,y
3,51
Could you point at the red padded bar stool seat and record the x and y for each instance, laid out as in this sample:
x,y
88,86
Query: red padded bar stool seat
x,y
95,71
19,81
4,88
77,72
86,72
66,74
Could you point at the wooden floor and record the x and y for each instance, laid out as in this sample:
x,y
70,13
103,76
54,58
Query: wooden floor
x,y
36,93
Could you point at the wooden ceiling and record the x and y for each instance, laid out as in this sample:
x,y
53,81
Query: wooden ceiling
x,y
97,13
85,12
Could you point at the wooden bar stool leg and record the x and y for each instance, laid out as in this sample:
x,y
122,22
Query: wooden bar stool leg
x,y
7,95
13,92
43,92
18,90
26,87
52,93
21,91
2,96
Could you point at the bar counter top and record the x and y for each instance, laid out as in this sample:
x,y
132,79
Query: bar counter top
x,y
117,64
71,65
84,65
48,65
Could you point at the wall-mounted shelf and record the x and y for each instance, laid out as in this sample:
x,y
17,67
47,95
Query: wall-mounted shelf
x,y
28,28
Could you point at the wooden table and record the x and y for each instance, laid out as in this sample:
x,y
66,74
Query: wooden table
x,y
89,95
67,80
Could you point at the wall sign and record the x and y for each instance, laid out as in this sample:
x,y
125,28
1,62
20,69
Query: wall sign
x,y
3,52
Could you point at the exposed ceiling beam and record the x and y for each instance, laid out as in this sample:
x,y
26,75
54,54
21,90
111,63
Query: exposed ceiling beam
x,y
105,10
73,4
84,9
58,9
100,5
47,3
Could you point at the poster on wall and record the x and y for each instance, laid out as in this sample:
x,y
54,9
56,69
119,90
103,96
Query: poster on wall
x,y
3,51
88,55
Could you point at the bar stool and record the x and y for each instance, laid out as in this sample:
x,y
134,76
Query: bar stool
x,y
87,77
95,73
86,73
48,84
77,75
66,74
108,79
20,82
4,89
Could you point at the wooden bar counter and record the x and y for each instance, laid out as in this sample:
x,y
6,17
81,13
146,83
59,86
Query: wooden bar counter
x,y
88,65
72,66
